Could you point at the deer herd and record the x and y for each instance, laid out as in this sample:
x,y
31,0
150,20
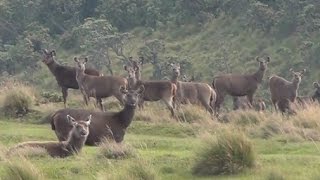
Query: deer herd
x,y
76,127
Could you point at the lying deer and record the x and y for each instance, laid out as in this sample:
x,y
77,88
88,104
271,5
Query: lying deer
x,y
110,125
75,139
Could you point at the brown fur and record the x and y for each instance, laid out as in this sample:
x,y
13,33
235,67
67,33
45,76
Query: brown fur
x,y
282,90
239,85
243,103
73,143
104,124
192,92
98,86
65,75
154,90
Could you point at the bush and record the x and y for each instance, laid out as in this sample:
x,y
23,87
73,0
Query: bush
x,y
17,103
229,153
21,169
51,97
113,150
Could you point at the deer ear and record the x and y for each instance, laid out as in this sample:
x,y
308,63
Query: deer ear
x,y
268,59
88,121
71,120
316,85
123,90
303,71
125,67
45,51
258,59
85,59
75,59
140,90
53,53
291,70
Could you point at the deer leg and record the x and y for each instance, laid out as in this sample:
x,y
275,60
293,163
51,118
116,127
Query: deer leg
x,y
99,103
250,99
64,95
220,99
169,104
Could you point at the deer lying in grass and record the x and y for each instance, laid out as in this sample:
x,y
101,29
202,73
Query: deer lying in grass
x,y
98,87
192,92
243,103
74,141
154,90
282,90
110,125
239,85
65,75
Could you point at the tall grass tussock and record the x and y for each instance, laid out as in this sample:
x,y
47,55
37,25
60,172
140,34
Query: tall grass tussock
x,y
112,150
228,153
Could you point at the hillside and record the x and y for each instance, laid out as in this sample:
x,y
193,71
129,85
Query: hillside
x,y
206,37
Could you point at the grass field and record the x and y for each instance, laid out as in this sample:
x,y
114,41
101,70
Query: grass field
x,y
160,147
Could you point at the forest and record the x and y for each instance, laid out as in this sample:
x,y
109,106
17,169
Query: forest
x,y
207,37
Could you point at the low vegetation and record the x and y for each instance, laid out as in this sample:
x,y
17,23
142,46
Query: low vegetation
x,y
228,153
112,150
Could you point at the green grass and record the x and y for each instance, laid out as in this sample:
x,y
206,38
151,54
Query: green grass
x,y
168,149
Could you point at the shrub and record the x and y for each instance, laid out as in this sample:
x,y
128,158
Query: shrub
x,y
51,97
17,103
21,169
229,153
112,150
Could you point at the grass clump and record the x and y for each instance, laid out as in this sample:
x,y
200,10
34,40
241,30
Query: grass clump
x,y
112,150
21,169
17,103
275,175
228,153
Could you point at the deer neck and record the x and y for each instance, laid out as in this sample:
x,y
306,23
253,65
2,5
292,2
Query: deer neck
x,y
258,76
138,75
126,115
295,83
174,79
75,143
132,82
80,75
53,66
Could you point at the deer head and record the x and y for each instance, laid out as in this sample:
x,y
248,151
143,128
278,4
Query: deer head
x,y
297,75
175,69
263,63
48,56
81,64
131,97
81,127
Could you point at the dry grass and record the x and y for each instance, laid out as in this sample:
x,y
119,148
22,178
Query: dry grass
x,y
29,152
112,150
228,153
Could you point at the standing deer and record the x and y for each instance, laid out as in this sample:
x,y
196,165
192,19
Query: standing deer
x,y
239,85
154,90
65,75
98,87
192,92
103,124
305,100
74,141
282,90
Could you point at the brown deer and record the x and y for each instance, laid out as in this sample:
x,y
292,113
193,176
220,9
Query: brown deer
x,y
243,103
111,125
192,92
74,141
65,75
239,85
281,89
154,90
98,86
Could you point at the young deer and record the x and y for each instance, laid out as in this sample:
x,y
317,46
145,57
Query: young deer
x,y
98,87
75,139
65,75
104,124
282,90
